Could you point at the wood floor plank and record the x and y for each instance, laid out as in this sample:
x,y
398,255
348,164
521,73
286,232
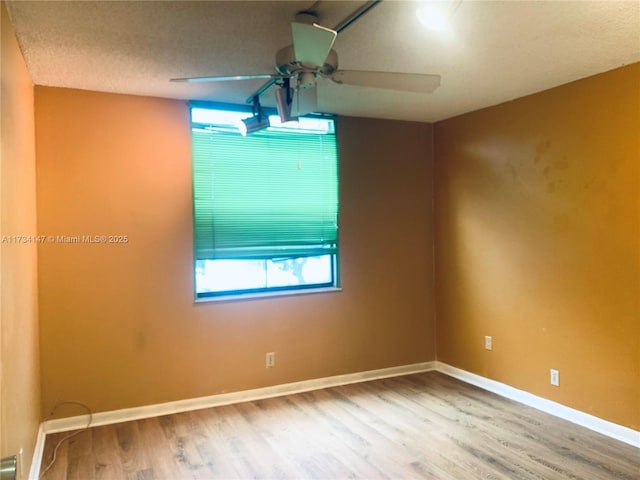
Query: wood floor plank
x,y
186,434
162,447
331,433
371,435
131,448
400,427
422,426
284,446
106,459
305,439
217,451
481,441
57,469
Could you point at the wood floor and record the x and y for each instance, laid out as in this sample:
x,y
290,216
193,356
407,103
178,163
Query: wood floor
x,y
418,426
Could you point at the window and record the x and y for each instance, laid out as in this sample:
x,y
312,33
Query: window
x,y
265,205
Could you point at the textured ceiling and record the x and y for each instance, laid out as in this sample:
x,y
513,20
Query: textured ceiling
x,y
494,51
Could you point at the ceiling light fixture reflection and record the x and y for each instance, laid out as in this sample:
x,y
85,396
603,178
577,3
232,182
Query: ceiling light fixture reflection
x,y
438,14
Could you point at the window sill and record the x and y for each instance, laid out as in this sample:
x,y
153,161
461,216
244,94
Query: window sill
x,y
253,296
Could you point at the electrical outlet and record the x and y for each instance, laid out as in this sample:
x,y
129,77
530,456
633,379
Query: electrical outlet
x,y
555,377
488,343
271,359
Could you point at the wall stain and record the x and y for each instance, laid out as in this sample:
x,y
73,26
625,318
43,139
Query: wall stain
x,y
561,164
541,149
596,185
140,340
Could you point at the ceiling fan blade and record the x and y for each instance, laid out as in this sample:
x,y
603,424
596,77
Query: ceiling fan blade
x,y
403,82
225,78
312,43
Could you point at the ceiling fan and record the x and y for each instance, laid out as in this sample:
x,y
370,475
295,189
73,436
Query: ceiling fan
x,y
311,57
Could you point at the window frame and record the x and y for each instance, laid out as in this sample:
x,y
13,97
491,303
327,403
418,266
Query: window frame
x,y
264,292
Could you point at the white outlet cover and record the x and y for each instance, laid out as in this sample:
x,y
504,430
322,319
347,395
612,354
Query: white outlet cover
x,y
554,377
488,343
271,360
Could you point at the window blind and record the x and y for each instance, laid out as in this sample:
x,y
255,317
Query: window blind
x,y
270,194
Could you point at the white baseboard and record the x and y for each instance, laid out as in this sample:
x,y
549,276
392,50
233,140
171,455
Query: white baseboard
x,y
38,451
618,432
610,429
148,411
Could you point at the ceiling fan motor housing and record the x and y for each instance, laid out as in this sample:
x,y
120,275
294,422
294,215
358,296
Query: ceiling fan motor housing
x,y
286,63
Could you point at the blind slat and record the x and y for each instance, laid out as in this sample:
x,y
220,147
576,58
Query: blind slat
x,y
273,193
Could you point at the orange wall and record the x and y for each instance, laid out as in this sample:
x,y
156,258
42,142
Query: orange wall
x,y
19,367
537,241
119,325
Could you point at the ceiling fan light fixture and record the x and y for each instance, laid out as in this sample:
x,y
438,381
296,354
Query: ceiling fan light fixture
x,y
253,124
284,102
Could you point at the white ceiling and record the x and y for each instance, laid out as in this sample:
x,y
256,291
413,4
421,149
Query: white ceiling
x,y
494,51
